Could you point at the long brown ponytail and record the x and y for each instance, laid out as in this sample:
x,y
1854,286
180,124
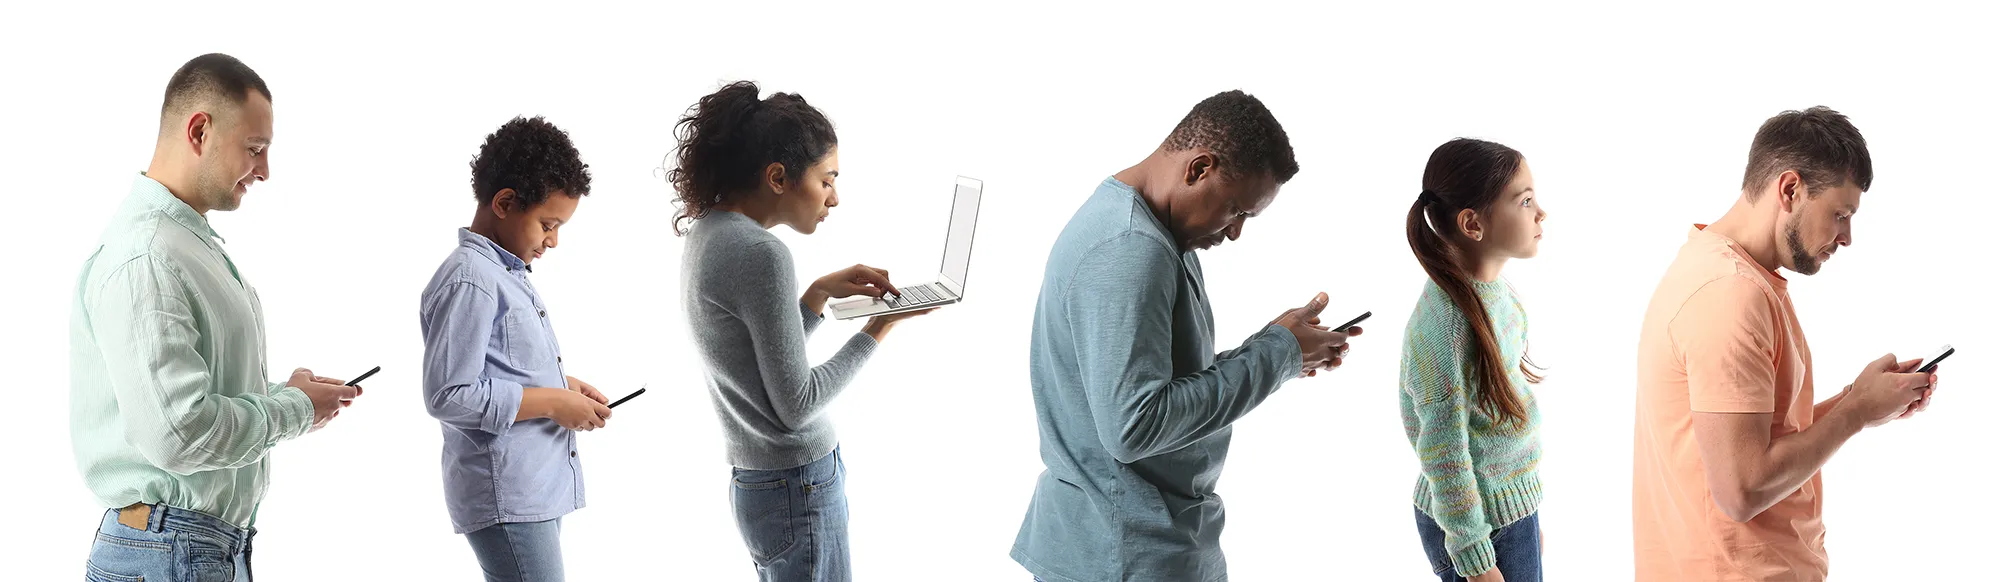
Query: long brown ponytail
x,y
1467,173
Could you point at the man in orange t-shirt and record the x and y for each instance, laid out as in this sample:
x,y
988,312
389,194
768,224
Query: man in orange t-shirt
x,y
1728,442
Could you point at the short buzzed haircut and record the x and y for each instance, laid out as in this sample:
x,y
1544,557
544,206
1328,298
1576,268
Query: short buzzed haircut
x,y
207,79
1818,143
1242,133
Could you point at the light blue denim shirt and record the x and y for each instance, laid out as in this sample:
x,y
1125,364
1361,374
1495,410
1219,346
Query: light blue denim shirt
x,y
487,337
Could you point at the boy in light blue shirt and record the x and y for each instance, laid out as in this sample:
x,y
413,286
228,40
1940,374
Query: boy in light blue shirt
x,y
493,373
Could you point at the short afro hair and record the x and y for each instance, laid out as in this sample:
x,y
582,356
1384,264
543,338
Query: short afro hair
x,y
1818,143
207,80
534,158
1242,133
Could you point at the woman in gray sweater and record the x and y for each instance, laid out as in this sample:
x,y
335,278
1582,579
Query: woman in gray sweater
x,y
744,166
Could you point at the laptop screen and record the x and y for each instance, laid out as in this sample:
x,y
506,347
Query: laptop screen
x,y
958,241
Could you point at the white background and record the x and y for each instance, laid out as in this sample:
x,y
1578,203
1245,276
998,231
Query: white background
x,y
1635,120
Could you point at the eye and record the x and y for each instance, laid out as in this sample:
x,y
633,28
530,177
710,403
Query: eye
x,y
1526,202
254,152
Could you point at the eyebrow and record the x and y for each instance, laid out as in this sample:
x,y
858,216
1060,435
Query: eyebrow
x,y
260,141
1524,192
833,174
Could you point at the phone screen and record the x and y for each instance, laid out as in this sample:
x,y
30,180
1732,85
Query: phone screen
x,y
1931,363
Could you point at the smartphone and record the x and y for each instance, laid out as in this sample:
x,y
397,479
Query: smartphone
x,y
364,376
1931,363
614,404
1353,322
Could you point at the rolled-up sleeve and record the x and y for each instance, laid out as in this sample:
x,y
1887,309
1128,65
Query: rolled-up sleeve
x,y
457,323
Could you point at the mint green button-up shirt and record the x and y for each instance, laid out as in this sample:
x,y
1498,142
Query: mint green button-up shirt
x,y
170,400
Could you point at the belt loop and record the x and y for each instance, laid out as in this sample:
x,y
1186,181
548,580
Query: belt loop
x,y
156,518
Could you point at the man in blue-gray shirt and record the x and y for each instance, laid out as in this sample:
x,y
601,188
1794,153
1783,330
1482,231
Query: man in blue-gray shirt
x,y
493,373
1133,402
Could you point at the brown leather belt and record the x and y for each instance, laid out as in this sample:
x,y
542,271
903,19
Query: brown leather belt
x,y
136,516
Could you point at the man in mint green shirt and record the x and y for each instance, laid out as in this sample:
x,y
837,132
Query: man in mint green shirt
x,y
171,414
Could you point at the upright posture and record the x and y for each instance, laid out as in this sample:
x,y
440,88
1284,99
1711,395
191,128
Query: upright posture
x,y
1466,405
493,372
171,414
1728,441
746,165
1133,403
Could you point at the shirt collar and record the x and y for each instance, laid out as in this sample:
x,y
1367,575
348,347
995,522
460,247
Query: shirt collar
x,y
492,251
156,196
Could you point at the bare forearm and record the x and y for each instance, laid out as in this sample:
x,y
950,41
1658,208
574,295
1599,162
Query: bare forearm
x,y
1791,460
537,403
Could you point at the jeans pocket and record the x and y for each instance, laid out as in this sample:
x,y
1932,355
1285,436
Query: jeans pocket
x,y
93,573
207,559
763,514
1433,540
118,559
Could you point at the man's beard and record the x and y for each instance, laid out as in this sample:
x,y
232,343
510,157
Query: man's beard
x,y
1803,262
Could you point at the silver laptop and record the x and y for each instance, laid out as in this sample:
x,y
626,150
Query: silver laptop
x,y
950,285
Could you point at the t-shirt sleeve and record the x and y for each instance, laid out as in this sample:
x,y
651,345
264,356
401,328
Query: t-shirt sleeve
x,y
1727,336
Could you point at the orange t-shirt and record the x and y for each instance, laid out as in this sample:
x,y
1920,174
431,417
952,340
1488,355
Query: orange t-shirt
x,y
1719,336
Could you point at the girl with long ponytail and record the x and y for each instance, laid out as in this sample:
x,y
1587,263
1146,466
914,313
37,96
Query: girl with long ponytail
x,y
1466,403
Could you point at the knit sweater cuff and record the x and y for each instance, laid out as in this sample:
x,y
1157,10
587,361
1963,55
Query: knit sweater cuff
x,y
1475,559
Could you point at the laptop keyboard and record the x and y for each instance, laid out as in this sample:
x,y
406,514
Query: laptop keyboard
x,y
918,295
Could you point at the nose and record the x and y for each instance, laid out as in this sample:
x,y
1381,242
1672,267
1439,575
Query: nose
x,y
263,169
551,242
1234,230
832,199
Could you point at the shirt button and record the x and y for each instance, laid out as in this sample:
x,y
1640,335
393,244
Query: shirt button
x,y
543,313
572,453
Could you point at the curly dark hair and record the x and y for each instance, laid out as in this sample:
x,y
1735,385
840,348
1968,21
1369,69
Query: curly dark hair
x,y
1241,132
533,157
1818,143
729,137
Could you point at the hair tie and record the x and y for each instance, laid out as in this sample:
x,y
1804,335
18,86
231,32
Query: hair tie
x,y
1428,197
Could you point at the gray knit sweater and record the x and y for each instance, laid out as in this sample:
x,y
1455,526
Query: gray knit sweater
x,y
742,302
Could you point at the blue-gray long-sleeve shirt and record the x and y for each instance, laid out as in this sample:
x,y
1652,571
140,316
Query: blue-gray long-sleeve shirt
x,y
1133,403
486,339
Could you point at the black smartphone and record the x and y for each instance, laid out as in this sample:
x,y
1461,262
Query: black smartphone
x,y
642,390
364,376
1931,363
1353,322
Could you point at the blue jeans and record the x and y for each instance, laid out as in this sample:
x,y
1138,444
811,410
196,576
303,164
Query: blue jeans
x,y
1517,549
519,552
794,520
177,545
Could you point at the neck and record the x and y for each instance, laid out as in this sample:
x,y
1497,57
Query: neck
x,y
762,209
1483,268
1746,225
176,178
482,225
1142,177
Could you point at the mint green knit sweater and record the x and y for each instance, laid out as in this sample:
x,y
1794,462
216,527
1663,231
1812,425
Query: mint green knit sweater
x,y
1479,473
